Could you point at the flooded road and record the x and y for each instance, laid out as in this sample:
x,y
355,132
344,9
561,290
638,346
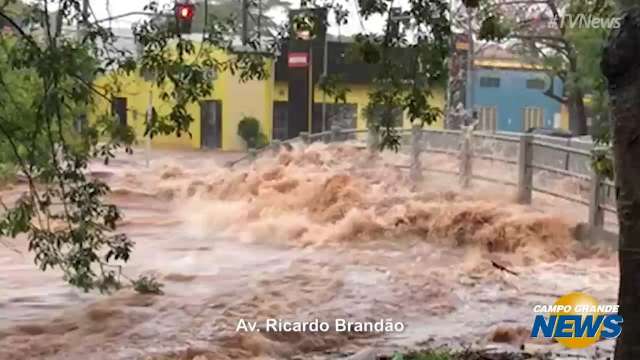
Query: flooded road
x,y
324,232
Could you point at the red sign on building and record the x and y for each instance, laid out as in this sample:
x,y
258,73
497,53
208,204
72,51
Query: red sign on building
x,y
298,59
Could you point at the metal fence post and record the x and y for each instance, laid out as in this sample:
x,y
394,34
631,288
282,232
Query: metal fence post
x,y
465,156
596,213
305,137
525,172
335,133
415,172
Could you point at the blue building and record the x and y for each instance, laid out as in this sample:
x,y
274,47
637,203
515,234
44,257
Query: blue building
x,y
509,96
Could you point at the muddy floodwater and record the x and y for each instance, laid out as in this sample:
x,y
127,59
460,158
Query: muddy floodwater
x,y
311,234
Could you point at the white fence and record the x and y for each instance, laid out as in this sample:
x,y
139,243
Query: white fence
x,y
534,157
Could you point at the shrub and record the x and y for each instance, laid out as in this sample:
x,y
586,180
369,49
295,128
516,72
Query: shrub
x,y
147,285
262,141
7,173
249,131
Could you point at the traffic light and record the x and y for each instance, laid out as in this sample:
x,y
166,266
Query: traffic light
x,y
184,16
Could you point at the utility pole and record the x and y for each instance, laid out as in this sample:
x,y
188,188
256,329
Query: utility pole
x,y
249,18
324,78
80,33
259,30
149,119
149,77
470,67
451,54
82,25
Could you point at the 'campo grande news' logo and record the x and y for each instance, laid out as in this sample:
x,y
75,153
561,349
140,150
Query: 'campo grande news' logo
x,y
576,320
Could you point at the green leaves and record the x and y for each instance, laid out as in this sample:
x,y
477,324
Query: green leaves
x,y
434,355
45,86
409,60
471,3
249,131
371,7
17,220
602,162
333,86
493,29
366,49
147,285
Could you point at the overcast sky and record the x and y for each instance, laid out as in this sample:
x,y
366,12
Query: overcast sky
x,y
102,8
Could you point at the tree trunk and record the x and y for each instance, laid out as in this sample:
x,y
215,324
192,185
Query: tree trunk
x,y
622,70
578,114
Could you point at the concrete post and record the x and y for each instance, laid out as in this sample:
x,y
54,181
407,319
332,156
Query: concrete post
x,y
373,139
253,154
466,156
305,137
525,172
335,133
147,153
415,172
470,66
275,145
596,214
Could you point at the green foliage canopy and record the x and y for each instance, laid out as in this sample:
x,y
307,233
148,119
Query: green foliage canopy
x,y
45,84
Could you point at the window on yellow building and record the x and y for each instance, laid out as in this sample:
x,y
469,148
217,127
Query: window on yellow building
x,y
280,120
119,109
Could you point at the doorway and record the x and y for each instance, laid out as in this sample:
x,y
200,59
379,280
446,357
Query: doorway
x,y
533,118
280,120
119,109
211,124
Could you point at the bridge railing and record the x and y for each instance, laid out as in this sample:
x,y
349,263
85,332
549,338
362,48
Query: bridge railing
x,y
533,159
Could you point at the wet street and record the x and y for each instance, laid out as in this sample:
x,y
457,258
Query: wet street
x,y
326,232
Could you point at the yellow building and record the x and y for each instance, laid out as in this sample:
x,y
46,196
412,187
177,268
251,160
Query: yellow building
x,y
216,118
358,95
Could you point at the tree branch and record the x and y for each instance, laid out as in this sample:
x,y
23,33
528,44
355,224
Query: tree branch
x,y
550,91
33,191
556,43
552,38
523,2
556,16
19,29
481,48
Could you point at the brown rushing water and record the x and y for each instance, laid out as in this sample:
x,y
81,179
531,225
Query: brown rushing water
x,y
327,232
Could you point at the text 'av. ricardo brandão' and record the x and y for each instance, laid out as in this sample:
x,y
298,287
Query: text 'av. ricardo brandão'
x,y
316,325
